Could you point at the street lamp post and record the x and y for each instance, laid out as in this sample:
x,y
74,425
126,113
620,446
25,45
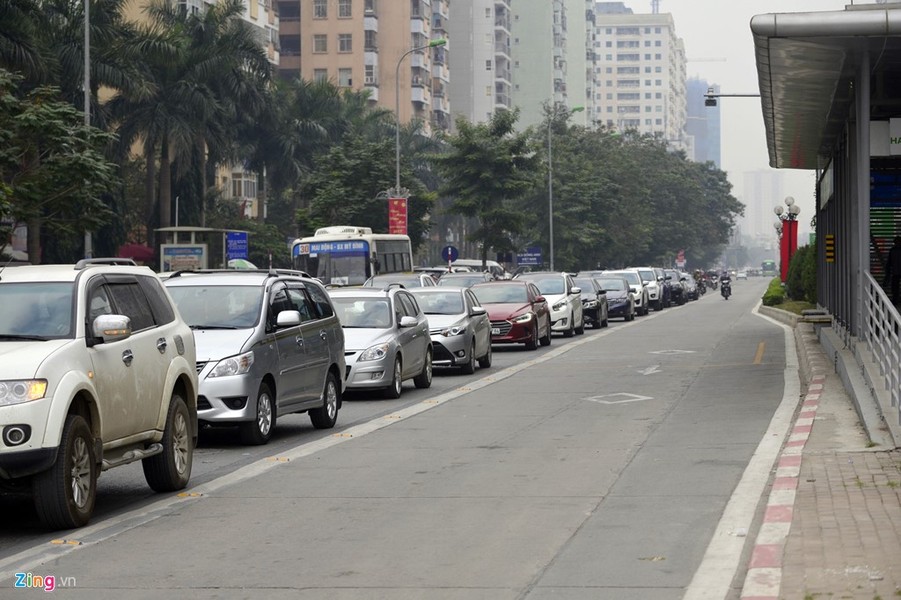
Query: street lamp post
x,y
88,237
788,228
432,44
550,179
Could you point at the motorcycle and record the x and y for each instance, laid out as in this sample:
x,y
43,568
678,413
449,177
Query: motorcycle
x,y
726,289
702,287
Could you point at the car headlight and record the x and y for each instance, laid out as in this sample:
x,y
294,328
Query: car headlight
x,y
590,303
377,352
522,318
17,391
560,305
233,365
455,329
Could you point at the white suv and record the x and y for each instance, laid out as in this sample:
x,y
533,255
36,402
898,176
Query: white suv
x,y
96,371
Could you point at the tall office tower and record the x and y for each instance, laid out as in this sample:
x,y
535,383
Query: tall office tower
x,y
539,58
579,59
703,122
367,49
763,190
642,73
481,82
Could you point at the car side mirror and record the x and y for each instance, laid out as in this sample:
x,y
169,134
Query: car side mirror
x,y
575,290
602,292
478,310
540,299
407,321
287,318
112,328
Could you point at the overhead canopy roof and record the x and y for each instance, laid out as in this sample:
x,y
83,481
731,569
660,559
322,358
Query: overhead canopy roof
x,y
806,64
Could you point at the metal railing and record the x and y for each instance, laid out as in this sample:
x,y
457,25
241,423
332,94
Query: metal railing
x,y
883,337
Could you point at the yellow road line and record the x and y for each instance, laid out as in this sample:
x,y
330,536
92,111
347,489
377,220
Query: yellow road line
x,y
758,358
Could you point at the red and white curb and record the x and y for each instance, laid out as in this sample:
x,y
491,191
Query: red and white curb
x,y
764,577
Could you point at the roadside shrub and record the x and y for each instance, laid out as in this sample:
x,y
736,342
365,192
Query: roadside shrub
x,y
801,283
774,293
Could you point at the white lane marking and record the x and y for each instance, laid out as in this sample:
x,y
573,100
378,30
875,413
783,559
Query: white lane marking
x,y
714,576
673,352
650,370
112,526
624,398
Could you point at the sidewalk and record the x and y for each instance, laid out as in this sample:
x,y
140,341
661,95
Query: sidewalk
x,y
832,524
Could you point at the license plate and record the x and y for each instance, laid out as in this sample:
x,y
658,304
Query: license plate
x,y
495,331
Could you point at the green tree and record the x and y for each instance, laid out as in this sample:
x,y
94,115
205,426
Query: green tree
x,y
488,169
346,189
54,165
200,69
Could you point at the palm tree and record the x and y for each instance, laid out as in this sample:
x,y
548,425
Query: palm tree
x,y
201,68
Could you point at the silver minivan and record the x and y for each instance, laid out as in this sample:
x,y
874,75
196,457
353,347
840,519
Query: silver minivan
x,y
268,344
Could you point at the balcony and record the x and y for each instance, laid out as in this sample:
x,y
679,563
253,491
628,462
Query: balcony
x,y
420,93
370,23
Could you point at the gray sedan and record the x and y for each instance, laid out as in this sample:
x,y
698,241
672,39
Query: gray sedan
x,y
459,326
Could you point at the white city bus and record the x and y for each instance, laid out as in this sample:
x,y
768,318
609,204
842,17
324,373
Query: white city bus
x,y
347,255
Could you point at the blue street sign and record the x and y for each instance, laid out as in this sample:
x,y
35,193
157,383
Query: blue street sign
x,y
450,253
531,257
236,244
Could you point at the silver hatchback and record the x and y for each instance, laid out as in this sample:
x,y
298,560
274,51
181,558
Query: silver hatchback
x,y
459,325
387,338
268,344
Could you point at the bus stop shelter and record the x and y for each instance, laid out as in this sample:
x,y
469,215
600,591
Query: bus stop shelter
x,y
830,86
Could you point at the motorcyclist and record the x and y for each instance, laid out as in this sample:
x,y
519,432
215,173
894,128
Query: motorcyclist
x,y
725,284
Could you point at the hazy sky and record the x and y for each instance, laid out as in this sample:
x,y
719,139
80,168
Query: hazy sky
x,y
720,49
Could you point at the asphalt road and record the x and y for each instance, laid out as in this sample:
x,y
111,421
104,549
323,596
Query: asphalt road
x,y
599,467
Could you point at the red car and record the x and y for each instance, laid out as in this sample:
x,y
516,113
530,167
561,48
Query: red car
x,y
518,312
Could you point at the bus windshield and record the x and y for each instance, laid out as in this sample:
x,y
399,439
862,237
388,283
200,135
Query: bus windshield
x,y
339,263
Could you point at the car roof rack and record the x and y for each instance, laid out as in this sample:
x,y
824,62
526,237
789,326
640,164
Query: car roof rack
x,y
88,262
394,284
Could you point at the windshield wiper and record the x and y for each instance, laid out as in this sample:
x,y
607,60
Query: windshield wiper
x,y
29,338
212,327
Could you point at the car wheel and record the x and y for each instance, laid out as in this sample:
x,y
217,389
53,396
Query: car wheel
x,y
393,391
326,415
469,367
64,494
485,361
424,379
258,431
546,339
171,469
532,344
572,327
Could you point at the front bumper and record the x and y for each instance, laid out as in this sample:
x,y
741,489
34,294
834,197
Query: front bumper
x,y
368,374
449,351
560,319
231,399
621,309
505,332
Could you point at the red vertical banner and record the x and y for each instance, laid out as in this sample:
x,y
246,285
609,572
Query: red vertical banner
x,y
397,215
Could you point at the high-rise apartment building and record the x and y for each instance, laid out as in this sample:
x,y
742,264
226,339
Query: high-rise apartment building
x,y
364,45
482,67
641,73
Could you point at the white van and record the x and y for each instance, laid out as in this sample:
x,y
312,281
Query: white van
x,y
493,267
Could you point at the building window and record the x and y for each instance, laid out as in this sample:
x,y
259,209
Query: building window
x,y
608,44
345,42
609,31
657,43
320,9
320,75
658,57
370,41
647,43
656,30
658,82
647,30
608,70
659,121
647,121
658,69
244,185
369,74
344,9
345,77
647,96
658,95
609,56
647,109
647,69
320,43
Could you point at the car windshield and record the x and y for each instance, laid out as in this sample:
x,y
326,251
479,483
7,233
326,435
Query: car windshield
x,y
461,280
36,311
548,285
440,303
612,285
218,307
501,294
585,284
363,313
383,280
631,277
647,275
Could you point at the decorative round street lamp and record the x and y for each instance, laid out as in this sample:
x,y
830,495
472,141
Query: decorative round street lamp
x,y
787,228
